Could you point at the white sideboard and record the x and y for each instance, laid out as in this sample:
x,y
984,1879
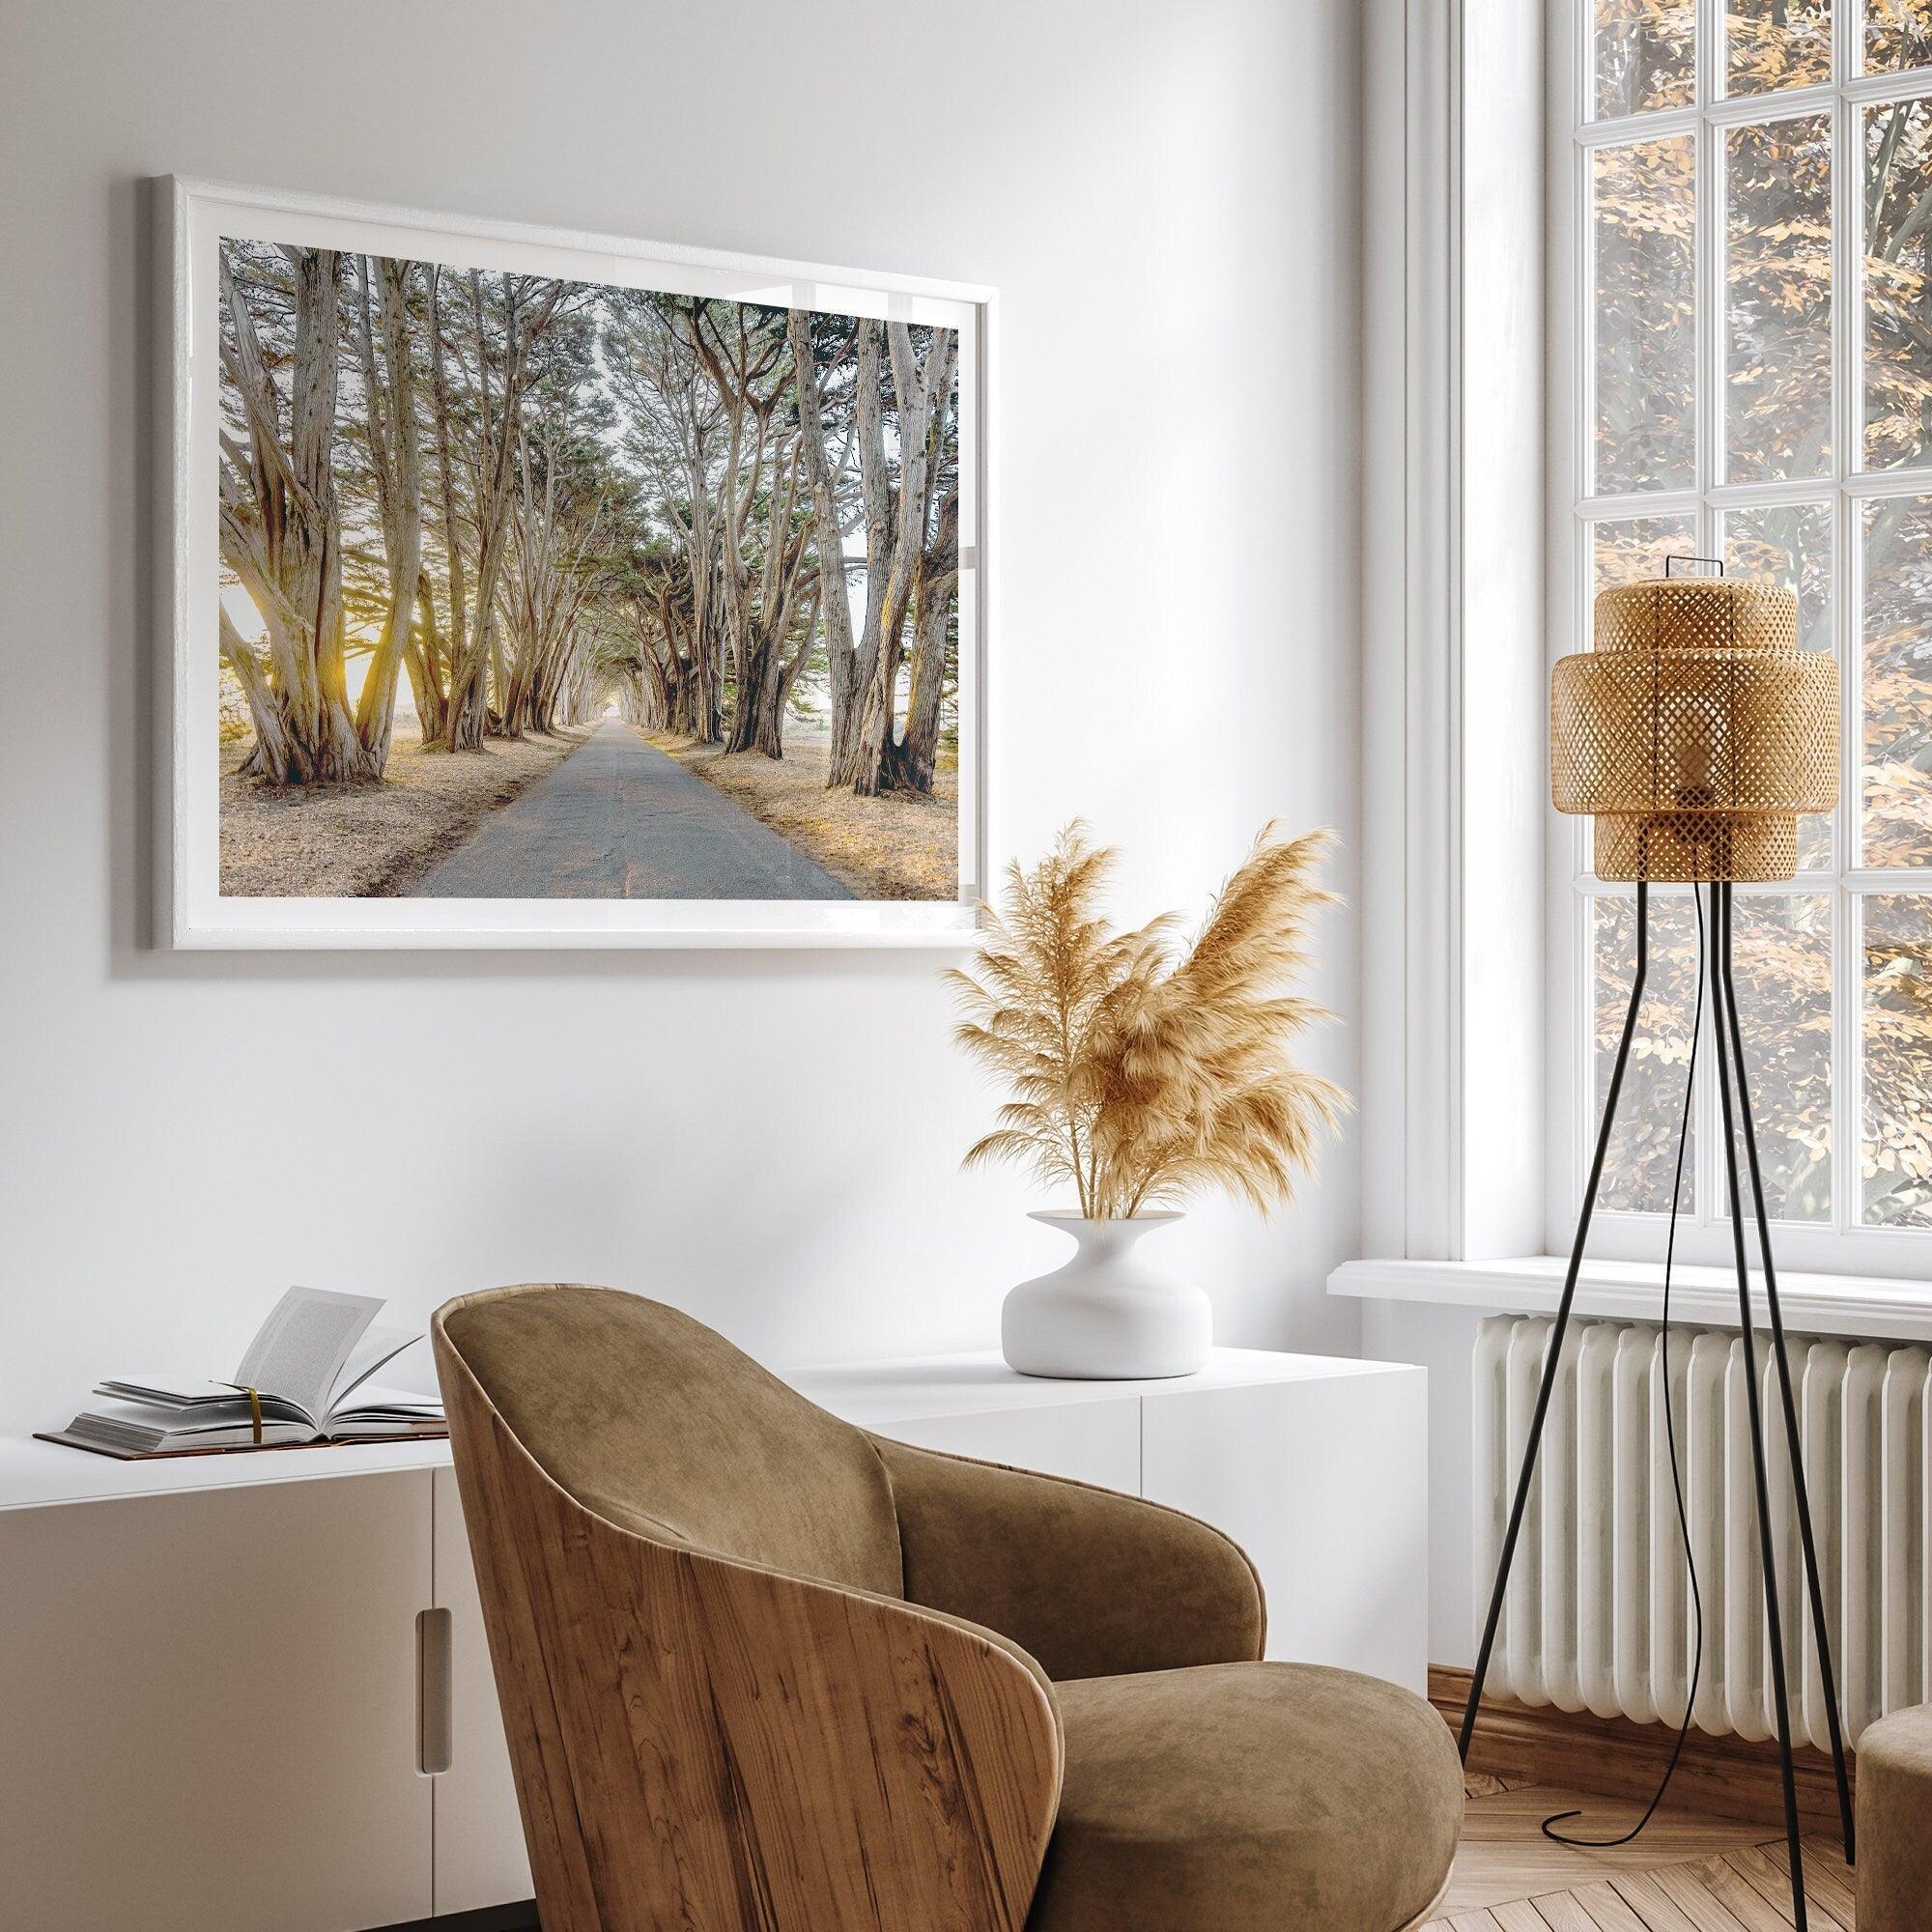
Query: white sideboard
x,y
225,1684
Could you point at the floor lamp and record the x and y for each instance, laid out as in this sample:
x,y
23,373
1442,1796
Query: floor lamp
x,y
1694,734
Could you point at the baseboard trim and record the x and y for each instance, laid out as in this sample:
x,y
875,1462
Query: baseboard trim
x,y
1622,1759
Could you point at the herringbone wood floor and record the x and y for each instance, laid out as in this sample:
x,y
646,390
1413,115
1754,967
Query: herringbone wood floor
x,y
1688,1872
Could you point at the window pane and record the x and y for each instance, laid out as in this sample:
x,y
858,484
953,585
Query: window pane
x,y
1772,43
1643,1144
1897,660
1777,279
1791,544
1898,1061
1788,544
1644,217
1898,284
1899,34
1646,55
1626,550
1781,960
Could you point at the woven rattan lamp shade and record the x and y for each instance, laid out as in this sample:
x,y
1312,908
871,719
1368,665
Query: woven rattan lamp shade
x,y
1697,731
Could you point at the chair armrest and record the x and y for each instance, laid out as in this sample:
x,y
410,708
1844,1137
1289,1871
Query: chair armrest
x,y
701,1740
1091,1582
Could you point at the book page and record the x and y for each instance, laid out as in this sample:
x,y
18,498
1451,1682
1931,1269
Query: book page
x,y
301,1346
377,1350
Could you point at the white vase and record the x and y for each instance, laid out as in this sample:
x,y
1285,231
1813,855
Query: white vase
x,y
1108,1314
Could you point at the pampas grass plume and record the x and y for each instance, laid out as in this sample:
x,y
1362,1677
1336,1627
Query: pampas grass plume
x,y
1141,1071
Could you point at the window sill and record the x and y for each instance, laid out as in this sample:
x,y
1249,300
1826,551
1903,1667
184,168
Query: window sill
x,y
1813,1304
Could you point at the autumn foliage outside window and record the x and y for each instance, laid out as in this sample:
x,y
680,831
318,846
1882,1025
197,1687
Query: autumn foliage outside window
x,y
1754,197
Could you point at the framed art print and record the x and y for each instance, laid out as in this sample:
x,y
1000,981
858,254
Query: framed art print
x,y
531,588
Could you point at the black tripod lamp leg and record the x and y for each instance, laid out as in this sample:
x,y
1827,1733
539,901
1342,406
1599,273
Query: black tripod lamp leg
x,y
1808,1541
1553,1355
1754,1406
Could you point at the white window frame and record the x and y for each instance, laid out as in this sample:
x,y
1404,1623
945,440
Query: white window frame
x,y
1846,1246
1472,1132
1453,498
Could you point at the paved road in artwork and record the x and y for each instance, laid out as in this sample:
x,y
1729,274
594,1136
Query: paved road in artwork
x,y
618,820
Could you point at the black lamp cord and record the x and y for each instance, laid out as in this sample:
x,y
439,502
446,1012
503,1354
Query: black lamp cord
x,y
1670,1432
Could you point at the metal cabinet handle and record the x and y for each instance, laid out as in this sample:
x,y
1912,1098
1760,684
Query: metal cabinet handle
x,y
433,1697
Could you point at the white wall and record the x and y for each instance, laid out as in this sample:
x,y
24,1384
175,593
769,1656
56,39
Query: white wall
x,y
1166,198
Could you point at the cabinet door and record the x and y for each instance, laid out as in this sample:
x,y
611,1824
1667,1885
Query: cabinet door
x,y
207,1708
1091,1442
1325,1482
479,1835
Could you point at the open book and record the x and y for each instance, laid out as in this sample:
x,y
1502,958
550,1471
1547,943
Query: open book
x,y
311,1369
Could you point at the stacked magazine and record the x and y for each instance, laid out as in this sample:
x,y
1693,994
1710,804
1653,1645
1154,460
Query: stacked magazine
x,y
309,1376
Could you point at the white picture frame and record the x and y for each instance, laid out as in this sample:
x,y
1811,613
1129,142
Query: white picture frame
x,y
193,217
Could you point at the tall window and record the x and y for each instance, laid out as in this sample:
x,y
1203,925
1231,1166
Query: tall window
x,y
1752,194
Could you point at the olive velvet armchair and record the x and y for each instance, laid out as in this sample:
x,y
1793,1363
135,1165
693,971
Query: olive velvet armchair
x,y
761,1671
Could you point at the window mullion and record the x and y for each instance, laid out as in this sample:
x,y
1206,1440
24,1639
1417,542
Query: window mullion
x,y
1707,260
1654,124
1847,1072
1785,103
1712,1208
1911,84
1848,602
1639,504
1580,915
1707,1209
1761,496
1869,484
1584,981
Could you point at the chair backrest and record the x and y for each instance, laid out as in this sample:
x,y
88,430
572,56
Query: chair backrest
x,y
720,1716
659,1424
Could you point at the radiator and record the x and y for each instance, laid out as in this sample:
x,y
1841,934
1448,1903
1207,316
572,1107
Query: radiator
x,y
1598,1613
